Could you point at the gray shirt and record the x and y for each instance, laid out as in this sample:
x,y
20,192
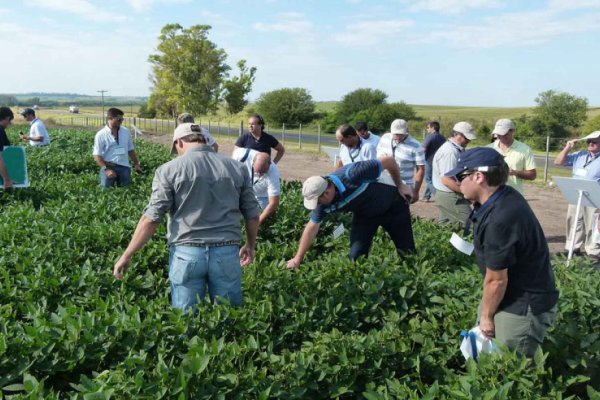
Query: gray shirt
x,y
444,160
205,195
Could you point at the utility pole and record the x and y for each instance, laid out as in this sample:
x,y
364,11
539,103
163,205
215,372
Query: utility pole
x,y
102,92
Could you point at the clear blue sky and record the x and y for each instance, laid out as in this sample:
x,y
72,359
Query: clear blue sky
x,y
455,52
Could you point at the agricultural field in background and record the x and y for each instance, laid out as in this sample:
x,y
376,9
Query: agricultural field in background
x,y
380,328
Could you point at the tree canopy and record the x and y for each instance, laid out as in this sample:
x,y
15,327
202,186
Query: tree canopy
x,y
287,105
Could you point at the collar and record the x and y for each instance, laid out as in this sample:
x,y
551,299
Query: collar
x,y
456,145
203,147
32,121
478,210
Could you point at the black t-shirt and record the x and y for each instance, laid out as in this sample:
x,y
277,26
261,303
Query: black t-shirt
x,y
3,139
431,144
264,145
507,235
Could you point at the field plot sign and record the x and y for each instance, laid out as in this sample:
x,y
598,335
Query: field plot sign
x,y
16,164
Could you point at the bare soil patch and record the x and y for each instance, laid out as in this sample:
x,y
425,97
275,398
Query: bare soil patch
x,y
547,202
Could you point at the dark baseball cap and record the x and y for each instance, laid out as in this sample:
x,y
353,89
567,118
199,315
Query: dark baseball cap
x,y
479,158
27,111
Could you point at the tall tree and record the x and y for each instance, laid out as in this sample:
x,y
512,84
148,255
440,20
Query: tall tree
x,y
558,111
238,87
359,100
287,105
187,72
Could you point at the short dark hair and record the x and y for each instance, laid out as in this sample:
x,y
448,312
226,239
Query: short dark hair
x,y
346,130
361,126
435,125
497,175
6,112
194,137
114,112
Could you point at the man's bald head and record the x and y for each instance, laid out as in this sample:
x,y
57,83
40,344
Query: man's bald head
x,y
261,163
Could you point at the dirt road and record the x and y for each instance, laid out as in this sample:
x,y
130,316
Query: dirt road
x,y
547,202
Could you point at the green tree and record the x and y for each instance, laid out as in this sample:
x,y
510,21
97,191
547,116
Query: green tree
x,y
558,112
380,117
591,125
238,87
146,111
359,100
188,71
287,105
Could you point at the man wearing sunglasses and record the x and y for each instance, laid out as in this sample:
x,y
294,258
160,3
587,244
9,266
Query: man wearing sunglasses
x,y
519,291
453,207
112,150
586,165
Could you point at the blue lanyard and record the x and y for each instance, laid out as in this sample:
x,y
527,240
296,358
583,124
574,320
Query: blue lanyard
x,y
590,161
357,151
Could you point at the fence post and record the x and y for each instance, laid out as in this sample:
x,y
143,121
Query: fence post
x,y
228,128
319,138
300,137
219,127
283,134
241,128
209,126
547,158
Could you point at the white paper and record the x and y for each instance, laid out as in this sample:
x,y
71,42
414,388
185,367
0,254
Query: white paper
x,y
337,232
483,344
461,245
580,172
595,233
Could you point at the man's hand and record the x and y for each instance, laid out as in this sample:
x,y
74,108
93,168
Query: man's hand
x,y
110,173
121,267
23,137
294,263
415,196
138,168
246,255
8,184
570,144
487,327
406,192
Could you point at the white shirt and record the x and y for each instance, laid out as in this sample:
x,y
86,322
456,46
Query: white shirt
x,y
363,152
107,147
266,185
445,159
372,140
37,128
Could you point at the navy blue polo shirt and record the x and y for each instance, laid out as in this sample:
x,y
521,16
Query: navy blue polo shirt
x,y
358,191
264,144
431,144
507,235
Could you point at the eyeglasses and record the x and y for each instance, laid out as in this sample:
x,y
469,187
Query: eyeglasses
x,y
461,177
592,142
118,119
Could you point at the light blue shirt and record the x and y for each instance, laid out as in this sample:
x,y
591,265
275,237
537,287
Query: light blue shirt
x,y
585,165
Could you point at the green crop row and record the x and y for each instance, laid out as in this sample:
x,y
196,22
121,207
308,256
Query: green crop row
x,y
379,328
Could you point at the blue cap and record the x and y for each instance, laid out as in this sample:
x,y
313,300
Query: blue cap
x,y
27,111
477,159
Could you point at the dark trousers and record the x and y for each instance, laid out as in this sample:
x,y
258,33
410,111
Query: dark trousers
x,y
395,221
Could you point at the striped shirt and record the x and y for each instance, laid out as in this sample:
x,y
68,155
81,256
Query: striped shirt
x,y
408,155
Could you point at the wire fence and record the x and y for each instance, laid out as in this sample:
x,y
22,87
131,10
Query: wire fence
x,y
297,137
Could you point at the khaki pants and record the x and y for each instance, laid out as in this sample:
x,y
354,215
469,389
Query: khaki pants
x,y
583,233
523,333
453,207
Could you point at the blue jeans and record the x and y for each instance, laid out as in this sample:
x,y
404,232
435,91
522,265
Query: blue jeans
x,y
430,189
192,269
123,177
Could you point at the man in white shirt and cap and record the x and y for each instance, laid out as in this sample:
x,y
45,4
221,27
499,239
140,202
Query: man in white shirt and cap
x,y
38,135
265,179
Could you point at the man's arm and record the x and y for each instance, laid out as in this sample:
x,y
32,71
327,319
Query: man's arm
x,y
136,163
339,164
215,147
269,209
419,176
308,236
280,151
8,184
31,138
247,250
494,287
451,183
388,163
528,175
562,156
100,161
143,232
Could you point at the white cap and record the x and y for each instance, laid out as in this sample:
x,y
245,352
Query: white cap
x,y
465,129
399,127
184,130
593,135
503,126
311,190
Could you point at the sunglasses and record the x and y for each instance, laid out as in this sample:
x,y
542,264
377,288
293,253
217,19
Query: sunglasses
x,y
592,142
461,177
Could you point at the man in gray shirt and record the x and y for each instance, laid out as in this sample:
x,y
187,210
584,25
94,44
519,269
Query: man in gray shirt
x,y
205,196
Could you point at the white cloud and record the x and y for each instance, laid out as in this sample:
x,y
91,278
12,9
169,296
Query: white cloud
x,y
290,22
368,33
453,6
82,8
573,4
144,5
514,29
